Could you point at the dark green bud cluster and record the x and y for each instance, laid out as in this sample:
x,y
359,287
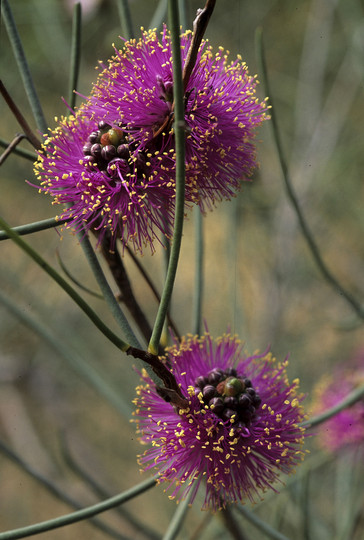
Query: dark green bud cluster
x,y
107,147
230,396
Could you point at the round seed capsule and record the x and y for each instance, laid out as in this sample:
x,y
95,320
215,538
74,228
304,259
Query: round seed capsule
x,y
217,405
228,414
87,149
233,387
208,392
94,137
243,402
115,136
117,167
89,161
104,139
102,125
250,392
200,381
123,151
215,376
231,402
108,152
96,150
257,400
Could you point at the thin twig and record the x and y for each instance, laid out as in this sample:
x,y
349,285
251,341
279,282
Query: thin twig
x,y
75,54
116,266
37,226
199,28
315,251
23,66
172,392
179,133
152,287
350,399
79,515
260,524
126,19
101,492
231,524
11,147
27,154
20,118
55,490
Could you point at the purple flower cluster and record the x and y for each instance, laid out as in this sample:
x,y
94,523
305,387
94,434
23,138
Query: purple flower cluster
x,y
346,428
113,161
239,431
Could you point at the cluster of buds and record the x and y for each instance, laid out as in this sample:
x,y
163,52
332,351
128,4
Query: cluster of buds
x,y
230,396
107,149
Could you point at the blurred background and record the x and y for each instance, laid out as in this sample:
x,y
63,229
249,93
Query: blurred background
x,y
260,278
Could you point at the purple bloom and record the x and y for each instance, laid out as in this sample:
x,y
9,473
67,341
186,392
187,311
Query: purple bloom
x,y
113,162
240,428
346,428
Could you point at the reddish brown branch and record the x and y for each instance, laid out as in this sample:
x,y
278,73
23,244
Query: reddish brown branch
x,y
14,143
154,290
121,279
20,118
199,28
171,392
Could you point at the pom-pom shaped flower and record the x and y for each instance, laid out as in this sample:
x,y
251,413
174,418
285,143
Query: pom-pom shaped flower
x,y
346,428
113,162
239,431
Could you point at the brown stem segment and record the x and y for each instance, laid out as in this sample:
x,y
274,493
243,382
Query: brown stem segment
x,y
154,291
116,265
171,392
14,143
20,118
199,28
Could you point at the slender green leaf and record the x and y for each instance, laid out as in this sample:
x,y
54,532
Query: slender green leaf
x,y
179,132
75,54
23,66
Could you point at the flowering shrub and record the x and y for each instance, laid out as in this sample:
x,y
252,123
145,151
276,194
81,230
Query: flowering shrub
x,y
240,428
113,162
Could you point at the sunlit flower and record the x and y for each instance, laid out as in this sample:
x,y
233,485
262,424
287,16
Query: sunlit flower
x,y
113,163
346,428
239,431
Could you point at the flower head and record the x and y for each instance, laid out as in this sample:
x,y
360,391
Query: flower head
x,y
113,161
346,428
240,428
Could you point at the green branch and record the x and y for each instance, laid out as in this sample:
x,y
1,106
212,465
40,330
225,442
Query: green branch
x,y
36,226
315,251
350,399
56,491
69,355
79,515
199,256
177,519
65,286
179,132
27,154
260,524
23,67
125,19
75,54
